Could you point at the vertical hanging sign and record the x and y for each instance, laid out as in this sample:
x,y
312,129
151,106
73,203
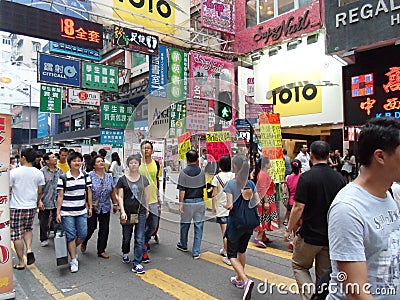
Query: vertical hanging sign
x,y
50,99
178,66
6,274
177,119
158,73
271,144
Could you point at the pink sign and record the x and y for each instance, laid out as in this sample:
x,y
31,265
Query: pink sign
x,y
215,150
253,110
218,15
203,72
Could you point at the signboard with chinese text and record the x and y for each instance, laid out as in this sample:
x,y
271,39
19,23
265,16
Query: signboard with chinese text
x,y
30,21
178,67
112,137
379,71
99,77
62,48
136,41
82,97
54,69
218,15
6,273
271,144
218,144
177,119
253,110
43,125
158,73
116,116
183,145
197,115
50,99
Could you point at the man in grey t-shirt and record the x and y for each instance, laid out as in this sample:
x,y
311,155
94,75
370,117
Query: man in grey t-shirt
x,y
364,220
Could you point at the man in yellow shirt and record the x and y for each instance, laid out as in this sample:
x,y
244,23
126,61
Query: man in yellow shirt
x,y
62,163
151,169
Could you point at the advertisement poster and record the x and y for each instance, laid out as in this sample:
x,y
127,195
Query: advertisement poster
x,y
218,15
183,145
54,69
271,144
218,144
158,73
197,115
112,137
6,274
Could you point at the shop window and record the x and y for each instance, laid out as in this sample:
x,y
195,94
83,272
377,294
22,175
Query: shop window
x,y
345,2
64,126
78,124
93,120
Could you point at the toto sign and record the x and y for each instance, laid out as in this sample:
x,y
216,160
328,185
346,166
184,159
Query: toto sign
x,y
82,97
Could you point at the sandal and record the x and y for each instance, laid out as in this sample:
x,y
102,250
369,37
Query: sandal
x,y
285,223
30,258
16,267
259,243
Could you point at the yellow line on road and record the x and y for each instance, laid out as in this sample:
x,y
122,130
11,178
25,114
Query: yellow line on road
x,y
173,286
271,251
253,272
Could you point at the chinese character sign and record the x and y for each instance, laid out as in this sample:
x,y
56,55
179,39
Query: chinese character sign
x,y
218,144
50,99
218,15
99,77
158,74
6,274
116,116
178,66
271,144
134,40
183,145
58,70
197,115
112,137
177,119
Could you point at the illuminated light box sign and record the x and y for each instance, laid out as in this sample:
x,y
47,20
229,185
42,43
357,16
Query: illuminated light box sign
x,y
54,69
81,97
136,41
30,21
62,48
362,85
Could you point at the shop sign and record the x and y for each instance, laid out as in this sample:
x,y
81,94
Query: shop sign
x,y
67,49
135,41
177,119
30,21
178,67
50,99
218,144
99,77
54,69
116,116
112,137
218,15
183,145
82,97
197,115
158,74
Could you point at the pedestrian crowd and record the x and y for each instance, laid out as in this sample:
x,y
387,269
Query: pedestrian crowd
x,y
342,214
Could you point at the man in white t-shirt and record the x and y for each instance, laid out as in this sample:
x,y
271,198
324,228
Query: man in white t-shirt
x,y
26,183
304,158
364,220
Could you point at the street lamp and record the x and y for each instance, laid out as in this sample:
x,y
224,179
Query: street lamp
x,y
30,113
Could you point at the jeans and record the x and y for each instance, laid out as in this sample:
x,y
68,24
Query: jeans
x,y
139,239
151,222
104,229
75,227
302,261
192,209
44,216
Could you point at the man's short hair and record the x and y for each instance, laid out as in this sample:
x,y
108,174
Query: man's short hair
x,y
72,156
46,156
192,156
103,152
29,154
378,133
225,163
320,150
63,150
146,142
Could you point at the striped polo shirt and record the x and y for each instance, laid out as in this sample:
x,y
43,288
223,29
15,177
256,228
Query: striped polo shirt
x,y
74,202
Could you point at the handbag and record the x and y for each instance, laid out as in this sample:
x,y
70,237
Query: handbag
x,y
285,193
243,215
60,245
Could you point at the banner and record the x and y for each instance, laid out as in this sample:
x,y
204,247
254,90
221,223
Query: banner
x,y
178,66
50,99
271,144
218,144
158,74
218,15
183,145
6,274
116,116
177,119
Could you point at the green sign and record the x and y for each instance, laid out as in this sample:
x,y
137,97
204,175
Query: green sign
x,y
177,119
50,99
178,66
116,116
100,77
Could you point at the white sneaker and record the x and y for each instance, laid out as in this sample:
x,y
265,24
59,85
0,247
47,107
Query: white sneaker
x,y
227,261
44,243
74,265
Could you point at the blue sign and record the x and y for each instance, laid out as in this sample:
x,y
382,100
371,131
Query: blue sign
x,y
242,124
43,125
158,73
54,69
66,49
112,137
69,7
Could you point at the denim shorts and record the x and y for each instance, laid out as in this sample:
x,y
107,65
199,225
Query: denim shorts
x,y
75,227
222,220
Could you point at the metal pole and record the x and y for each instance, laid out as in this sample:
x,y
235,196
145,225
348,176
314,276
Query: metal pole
x,y
30,114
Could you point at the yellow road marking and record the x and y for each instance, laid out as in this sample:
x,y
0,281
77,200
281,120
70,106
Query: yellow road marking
x,y
271,251
251,271
173,286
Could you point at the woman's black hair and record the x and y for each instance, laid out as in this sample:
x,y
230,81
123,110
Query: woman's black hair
x,y
242,169
93,162
296,166
115,157
225,163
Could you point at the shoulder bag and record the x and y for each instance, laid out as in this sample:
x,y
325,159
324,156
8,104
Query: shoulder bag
x,y
132,218
243,216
